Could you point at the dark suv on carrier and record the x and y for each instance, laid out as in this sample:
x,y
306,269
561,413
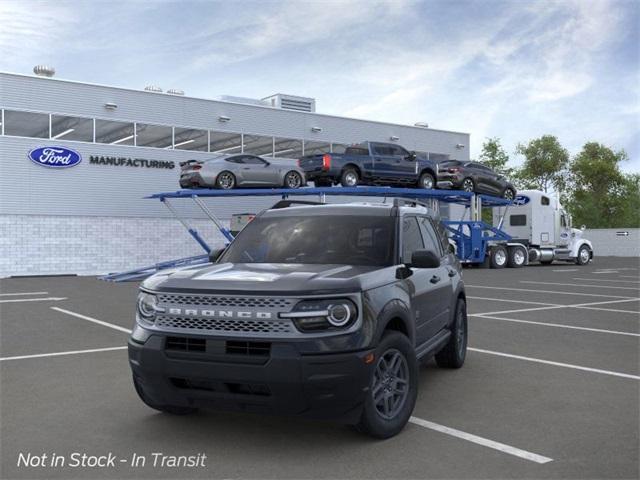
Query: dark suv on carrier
x,y
313,310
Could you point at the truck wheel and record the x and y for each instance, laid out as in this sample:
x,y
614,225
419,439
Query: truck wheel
x,y
584,255
427,181
468,185
226,180
517,257
498,257
393,388
349,178
455,351
171,409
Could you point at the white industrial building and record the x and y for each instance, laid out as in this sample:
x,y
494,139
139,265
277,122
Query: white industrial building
x,y
92,218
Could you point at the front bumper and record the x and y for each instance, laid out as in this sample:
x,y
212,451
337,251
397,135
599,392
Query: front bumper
x,y
329,386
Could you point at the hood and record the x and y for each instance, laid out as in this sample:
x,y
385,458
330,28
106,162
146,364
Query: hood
x,y
267,278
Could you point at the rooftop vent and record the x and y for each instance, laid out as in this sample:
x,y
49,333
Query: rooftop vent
x,y
44,71
175,91
153,88
291,102
244,100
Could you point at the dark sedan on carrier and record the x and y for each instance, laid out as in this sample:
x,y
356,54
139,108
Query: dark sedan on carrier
x,y
474,177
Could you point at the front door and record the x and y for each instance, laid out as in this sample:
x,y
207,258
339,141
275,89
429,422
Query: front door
x,y
256,171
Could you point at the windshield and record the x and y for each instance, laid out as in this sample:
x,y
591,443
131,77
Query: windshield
x,y
319,239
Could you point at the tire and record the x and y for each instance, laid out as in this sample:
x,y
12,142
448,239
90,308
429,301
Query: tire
x,y
455,351
171,409
508,194
584,255
498,256
468,185
225,180
349,177
517,257
396,349
427,181
292,180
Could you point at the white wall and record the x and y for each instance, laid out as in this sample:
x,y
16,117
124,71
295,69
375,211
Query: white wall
x,y
607,242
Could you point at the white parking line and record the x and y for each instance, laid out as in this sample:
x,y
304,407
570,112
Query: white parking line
x,y
93,320
59,354
581,285
551,306
514,301
567,270
23,293
47,299
604,280
558,325
485,442
628,276
555,364
533,290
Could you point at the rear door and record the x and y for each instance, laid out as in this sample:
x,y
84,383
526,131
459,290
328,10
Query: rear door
x,y
384,161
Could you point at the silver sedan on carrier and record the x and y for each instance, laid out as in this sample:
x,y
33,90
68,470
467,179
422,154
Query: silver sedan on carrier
x,y
241,170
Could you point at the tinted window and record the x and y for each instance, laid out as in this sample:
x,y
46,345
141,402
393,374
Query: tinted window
x,y
382,150
441,232
518,220
411,238
544,201
238,159
356,151
26,124
431,241
253,160
399,151
315,239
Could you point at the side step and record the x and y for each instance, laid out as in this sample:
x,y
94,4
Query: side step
x,y
432,346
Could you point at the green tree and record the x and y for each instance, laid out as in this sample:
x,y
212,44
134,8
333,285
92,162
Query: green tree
x,y
600,195
545,164
494,156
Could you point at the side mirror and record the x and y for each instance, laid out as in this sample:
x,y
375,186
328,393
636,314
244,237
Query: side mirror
x,y
583,228
215,254
412,156
424,259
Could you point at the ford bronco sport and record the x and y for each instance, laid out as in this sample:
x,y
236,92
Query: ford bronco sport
x,y
315,310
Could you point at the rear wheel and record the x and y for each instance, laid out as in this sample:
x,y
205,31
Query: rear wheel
x,y
468,185
498,257
427,181
455,351
584,255
393,388
226,180
517,257
293,179
509,194
349,177
171,409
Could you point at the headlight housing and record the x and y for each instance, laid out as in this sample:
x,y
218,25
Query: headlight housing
x,y
147,308
323,314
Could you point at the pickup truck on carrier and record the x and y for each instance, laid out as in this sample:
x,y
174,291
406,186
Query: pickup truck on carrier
x,y
371,163
312,310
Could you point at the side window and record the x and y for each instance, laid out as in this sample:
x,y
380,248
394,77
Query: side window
x,y
544,201
251,160
431,241
399,151
517,220
235,159
563,220
411,238
441,232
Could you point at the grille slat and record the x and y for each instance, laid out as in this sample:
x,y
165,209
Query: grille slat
x,y
216,301
225,325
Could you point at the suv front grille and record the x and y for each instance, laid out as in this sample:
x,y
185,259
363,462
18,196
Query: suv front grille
x,y
248,348
215,301
226,325
186,344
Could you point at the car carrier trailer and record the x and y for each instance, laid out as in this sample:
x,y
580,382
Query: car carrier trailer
x,y
475,242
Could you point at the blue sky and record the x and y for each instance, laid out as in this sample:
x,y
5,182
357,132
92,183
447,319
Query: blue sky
x,y
515,69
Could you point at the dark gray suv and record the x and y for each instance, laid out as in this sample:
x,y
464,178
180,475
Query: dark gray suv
x,y
313,310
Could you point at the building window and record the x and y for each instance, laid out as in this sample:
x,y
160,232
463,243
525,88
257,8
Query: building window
x,y
190,139
157,136
114,133
438,157
225,142
26,124
287,148
314,148
338,147
71,128
258,145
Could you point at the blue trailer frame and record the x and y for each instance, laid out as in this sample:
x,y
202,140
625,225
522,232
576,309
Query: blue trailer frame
x,y
472,237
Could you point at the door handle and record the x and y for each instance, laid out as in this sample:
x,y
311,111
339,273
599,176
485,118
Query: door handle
x,y
246,168
435,279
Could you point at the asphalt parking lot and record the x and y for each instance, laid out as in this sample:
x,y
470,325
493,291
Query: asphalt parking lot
x,y
550,390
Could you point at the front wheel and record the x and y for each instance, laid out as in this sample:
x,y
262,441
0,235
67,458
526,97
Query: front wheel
x,y
393,387
584,255
455,351
426,181
468,185
293,179
509,194
226,180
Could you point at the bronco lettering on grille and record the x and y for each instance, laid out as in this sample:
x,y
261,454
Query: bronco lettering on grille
x,y
193,312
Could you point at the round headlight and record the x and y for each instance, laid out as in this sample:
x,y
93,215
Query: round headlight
x,y
147,306
339,314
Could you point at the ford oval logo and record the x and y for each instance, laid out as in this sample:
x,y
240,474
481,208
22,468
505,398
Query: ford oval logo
x,y
521,200
55,157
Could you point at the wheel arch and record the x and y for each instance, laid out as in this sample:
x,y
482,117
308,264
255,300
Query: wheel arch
x,y
354,166
430,171
395,316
